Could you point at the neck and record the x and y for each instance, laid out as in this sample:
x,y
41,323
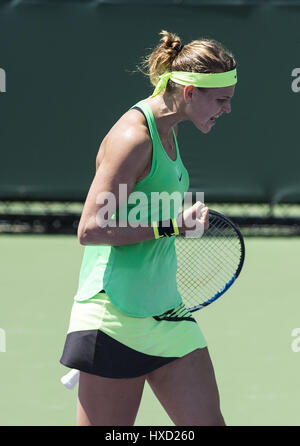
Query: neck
x,y
166,112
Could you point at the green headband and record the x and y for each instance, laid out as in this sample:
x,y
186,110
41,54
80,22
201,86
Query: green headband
x,y
204,80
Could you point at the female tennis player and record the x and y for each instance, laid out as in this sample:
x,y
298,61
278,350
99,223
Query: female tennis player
x,y
128,323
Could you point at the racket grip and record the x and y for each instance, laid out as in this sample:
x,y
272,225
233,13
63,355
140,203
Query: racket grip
x,y
70,380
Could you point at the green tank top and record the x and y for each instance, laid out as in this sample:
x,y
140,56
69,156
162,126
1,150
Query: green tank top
x,y
140,278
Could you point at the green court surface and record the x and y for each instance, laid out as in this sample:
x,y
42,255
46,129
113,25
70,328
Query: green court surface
x,y
249,332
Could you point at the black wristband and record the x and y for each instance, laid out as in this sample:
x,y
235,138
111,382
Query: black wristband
x,y
166,228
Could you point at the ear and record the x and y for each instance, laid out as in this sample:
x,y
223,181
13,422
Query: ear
x,y
188,93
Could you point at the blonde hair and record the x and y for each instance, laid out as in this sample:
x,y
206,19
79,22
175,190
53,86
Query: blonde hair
x,y
198,56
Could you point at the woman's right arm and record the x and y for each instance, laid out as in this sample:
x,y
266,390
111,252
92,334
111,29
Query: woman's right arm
x,y
127,152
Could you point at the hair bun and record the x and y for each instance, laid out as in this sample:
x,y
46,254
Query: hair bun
x,y
171,41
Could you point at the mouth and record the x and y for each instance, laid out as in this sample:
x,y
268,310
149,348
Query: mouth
x,y
213,118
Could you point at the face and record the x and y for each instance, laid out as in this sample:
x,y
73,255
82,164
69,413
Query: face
x,y
205,107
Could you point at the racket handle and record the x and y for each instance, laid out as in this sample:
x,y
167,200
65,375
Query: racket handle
x,y
70,380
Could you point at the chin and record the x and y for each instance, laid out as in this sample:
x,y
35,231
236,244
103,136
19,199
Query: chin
x,y
204,128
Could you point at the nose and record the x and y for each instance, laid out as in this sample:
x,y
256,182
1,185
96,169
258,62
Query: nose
x,y
227,107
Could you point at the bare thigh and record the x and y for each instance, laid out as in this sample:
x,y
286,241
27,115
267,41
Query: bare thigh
x,y
107,401
187,389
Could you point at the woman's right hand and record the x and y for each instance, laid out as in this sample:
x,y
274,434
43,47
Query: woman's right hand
x,y
195,218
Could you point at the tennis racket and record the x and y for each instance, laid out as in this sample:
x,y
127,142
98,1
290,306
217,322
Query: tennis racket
x,y
207,266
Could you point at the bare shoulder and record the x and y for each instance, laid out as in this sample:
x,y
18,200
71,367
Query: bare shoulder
x,y
128,138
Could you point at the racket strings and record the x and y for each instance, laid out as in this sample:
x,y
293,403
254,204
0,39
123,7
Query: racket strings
x,y
206,264
227,247
211,270
227,259
226,234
